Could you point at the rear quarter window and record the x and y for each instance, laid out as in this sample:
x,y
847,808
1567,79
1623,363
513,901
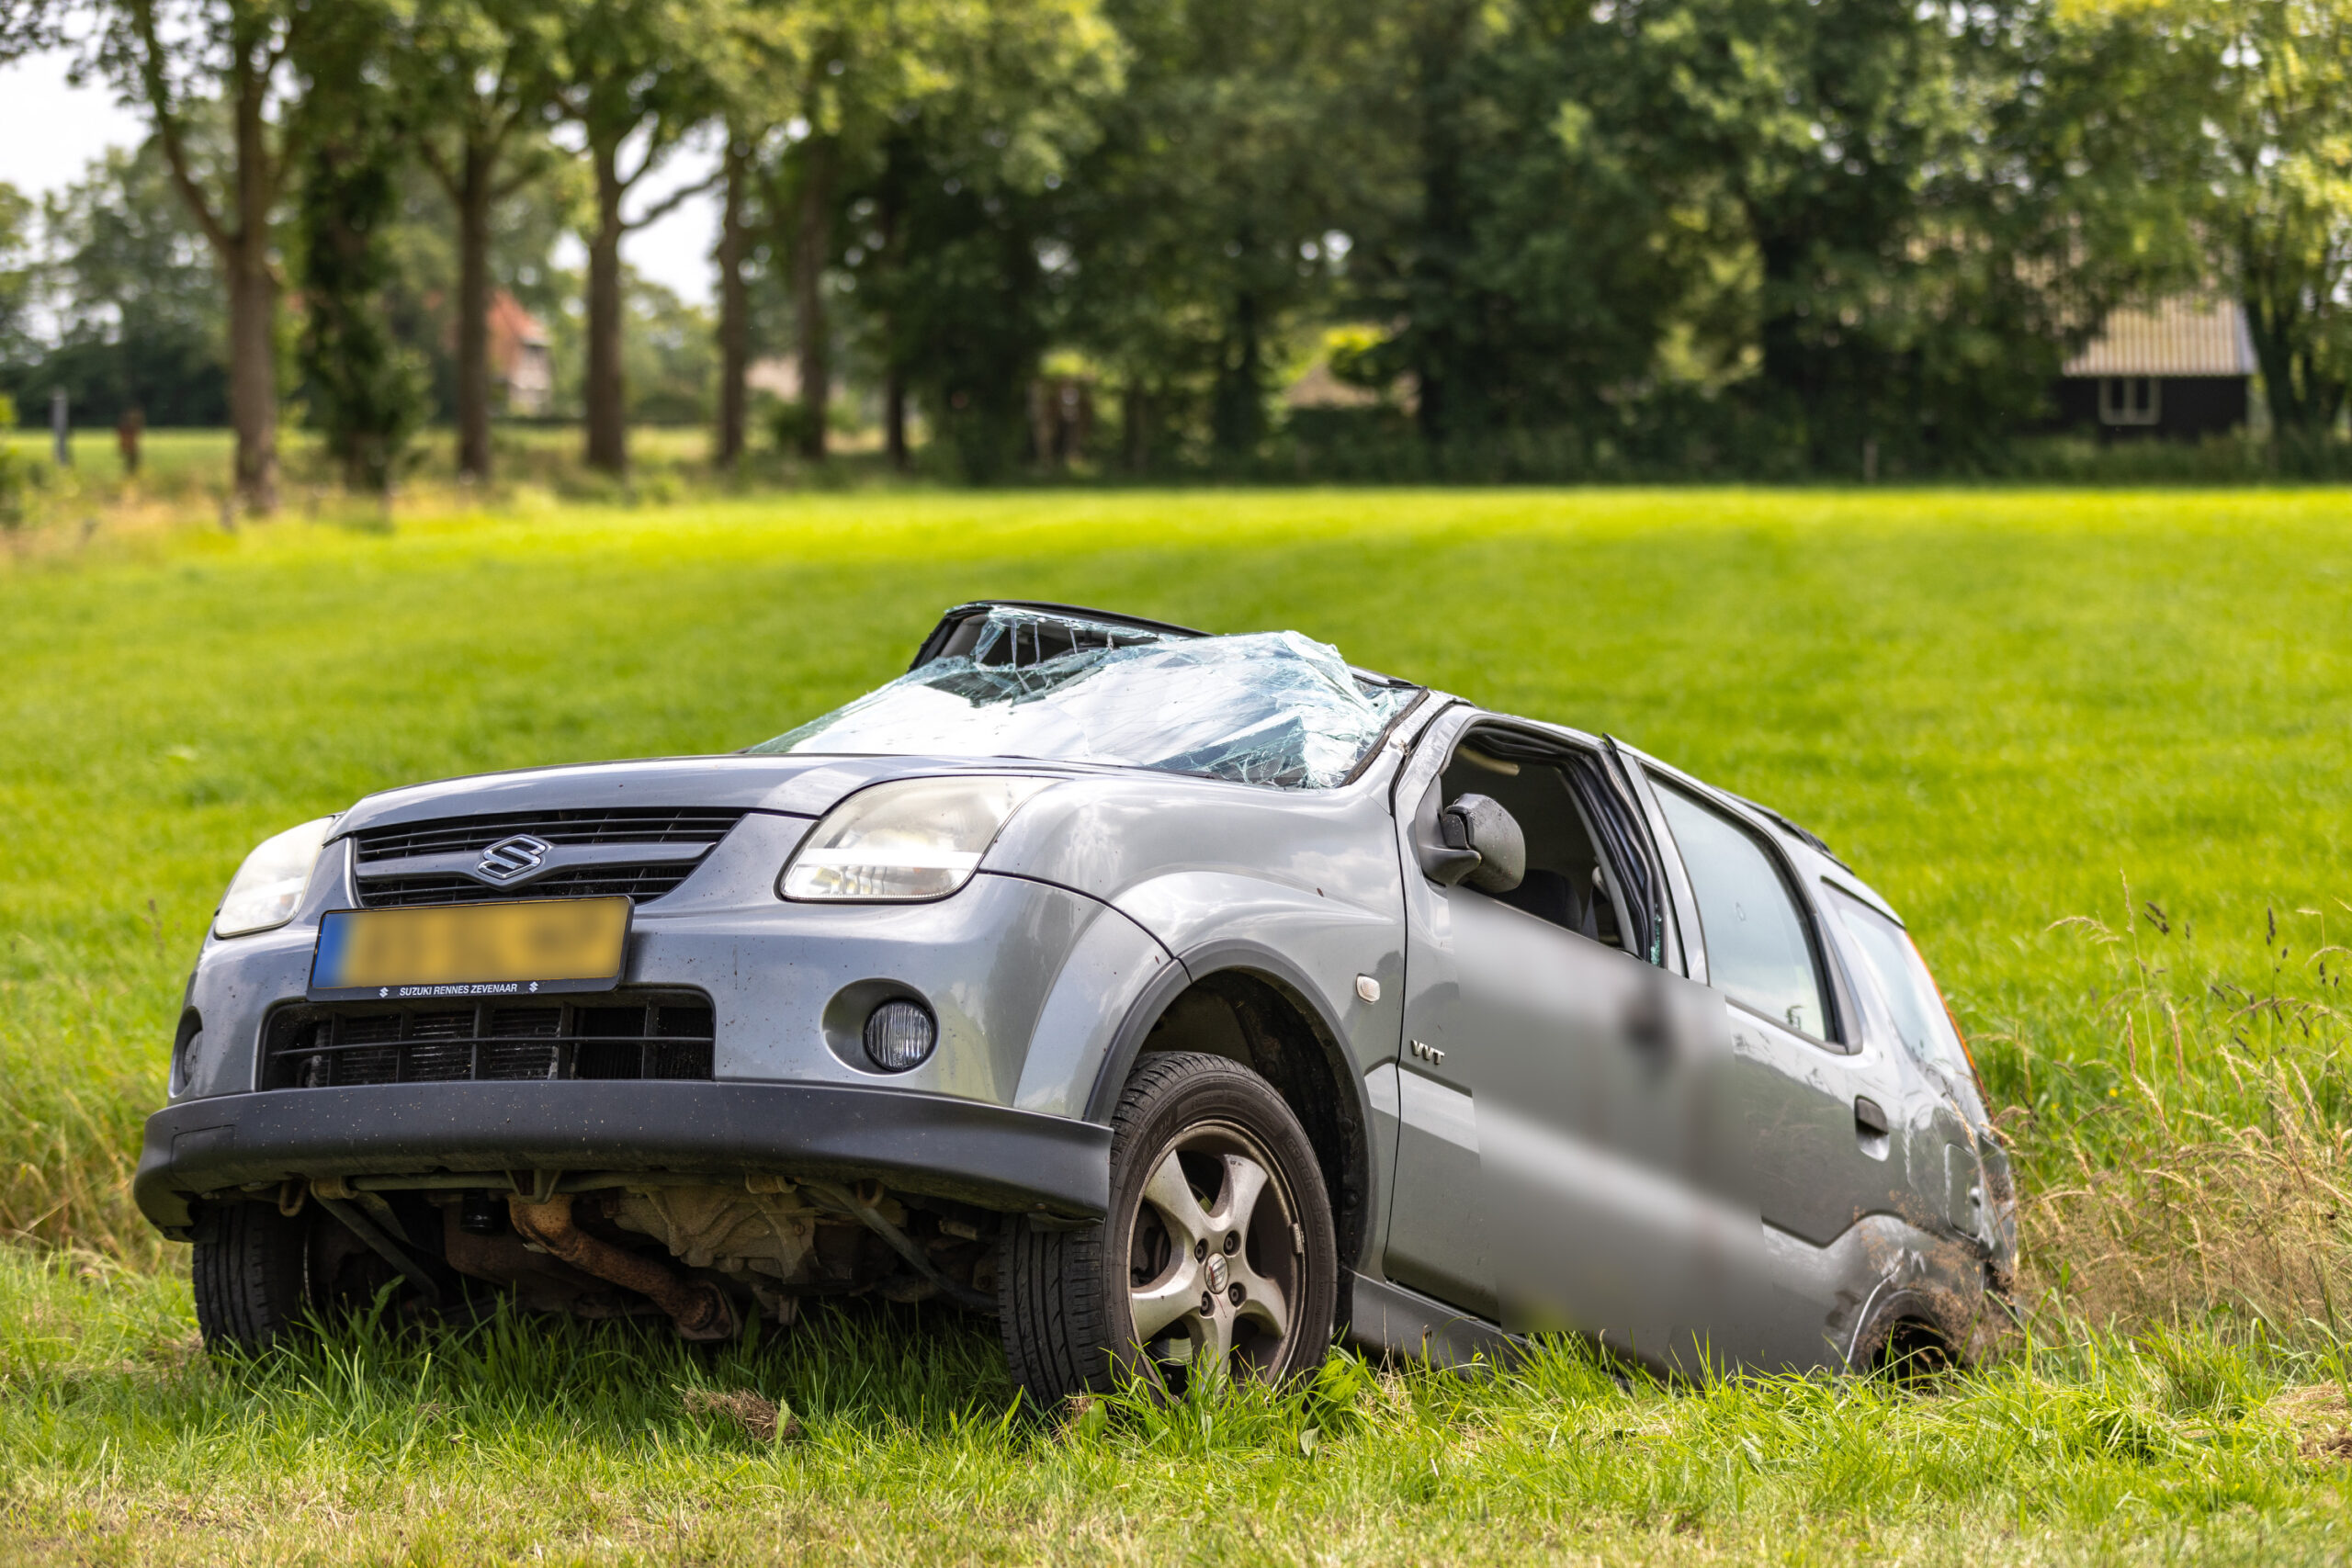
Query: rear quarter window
x,y
1896,980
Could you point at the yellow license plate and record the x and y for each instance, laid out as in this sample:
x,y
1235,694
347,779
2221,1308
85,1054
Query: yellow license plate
x,y
527,947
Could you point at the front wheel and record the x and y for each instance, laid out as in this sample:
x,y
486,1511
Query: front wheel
x,y
1218,1258
251,1275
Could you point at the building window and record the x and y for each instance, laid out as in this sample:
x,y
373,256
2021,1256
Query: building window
x,y
2129,400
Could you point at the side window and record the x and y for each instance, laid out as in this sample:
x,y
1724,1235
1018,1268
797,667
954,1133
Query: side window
x,y
1564,882
1758,951
1914,1009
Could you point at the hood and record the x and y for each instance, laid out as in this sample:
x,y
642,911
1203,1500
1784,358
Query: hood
x,y
794,786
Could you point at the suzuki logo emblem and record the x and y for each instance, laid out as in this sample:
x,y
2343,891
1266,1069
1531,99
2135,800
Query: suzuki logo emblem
x,y
509,858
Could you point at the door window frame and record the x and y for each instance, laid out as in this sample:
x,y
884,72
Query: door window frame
x,y
1637,816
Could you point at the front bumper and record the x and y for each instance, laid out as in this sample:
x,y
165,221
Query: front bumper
x,y
988,1155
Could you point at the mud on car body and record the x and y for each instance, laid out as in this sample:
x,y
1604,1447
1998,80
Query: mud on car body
x,y
1183,1001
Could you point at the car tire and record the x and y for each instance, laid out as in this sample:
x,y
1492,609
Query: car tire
x,y
251,1275
1204,1152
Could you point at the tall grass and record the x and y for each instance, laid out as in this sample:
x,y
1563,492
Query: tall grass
x,y
2198,1167
74,1088
184,481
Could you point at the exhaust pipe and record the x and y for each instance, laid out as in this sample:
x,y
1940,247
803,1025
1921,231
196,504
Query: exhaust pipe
x,y
700,1310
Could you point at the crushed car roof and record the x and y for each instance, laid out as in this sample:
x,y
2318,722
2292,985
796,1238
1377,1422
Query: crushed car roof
x,y
1054,682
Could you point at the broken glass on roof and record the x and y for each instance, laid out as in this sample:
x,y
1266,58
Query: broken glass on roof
x,y
1268,708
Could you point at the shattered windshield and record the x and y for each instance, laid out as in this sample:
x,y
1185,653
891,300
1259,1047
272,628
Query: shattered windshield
x,y
1269,708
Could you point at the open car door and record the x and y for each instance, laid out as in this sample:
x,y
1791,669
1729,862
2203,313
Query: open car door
x,y
1568,1152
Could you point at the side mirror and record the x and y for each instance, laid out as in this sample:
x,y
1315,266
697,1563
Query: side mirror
x,y
1475,843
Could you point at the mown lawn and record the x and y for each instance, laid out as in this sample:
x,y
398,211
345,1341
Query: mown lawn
x,y
1998,706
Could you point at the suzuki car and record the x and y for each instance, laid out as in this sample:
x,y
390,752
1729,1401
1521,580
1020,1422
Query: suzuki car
x,y
1185,1001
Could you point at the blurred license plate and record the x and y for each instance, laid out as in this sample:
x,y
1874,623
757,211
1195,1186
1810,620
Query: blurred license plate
x,y
529,947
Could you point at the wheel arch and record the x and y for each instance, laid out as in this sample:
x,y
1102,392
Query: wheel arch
x,y
1900,1323
1251,1005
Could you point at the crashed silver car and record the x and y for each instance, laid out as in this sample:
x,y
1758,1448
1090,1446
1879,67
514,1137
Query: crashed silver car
x,y
1185,1001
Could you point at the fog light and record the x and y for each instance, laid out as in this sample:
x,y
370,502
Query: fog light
x,y
899,1035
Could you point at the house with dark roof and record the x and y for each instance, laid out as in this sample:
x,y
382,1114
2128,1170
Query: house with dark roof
x,y
2177,369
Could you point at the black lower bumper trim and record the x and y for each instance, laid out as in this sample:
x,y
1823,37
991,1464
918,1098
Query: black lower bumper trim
x,y
988,1155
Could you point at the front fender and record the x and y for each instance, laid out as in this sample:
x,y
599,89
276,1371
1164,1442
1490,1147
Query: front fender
x,y
1314,945
1113,975
1336,1027
1308,878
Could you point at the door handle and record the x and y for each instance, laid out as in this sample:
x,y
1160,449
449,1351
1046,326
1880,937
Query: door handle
x,y
1868,1117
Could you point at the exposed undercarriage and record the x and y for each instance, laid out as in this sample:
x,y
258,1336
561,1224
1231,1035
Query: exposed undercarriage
x,y
704,1254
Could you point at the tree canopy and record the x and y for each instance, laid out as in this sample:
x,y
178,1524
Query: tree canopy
x,y
1709,235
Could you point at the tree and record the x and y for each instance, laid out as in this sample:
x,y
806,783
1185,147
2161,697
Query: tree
x,y
826,100
2265,86
956,300
1805,233
1845,137
364,389
670,356
757,65
1245,134
131,280
17,276
2285,206
946,143
803,197
629,73
172,58
734,298
850,69
1535,264
475,76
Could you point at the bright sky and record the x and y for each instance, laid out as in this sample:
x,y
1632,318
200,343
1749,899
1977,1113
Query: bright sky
x,y
49,130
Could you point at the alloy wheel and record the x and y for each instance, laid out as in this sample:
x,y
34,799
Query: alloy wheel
x,y
1214,1260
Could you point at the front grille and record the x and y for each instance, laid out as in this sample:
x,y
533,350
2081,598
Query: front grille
x,y
378,850
642,883
618,825
617,1034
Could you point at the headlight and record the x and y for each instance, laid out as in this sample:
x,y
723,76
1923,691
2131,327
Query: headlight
x,y
269,885
901,843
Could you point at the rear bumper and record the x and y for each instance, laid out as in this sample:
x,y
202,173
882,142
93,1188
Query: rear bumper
x,y
988,1155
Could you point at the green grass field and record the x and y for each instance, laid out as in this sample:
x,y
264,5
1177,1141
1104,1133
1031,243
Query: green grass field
x,y
1999,707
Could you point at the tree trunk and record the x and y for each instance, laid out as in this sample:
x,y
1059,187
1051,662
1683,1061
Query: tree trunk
x,y
894,376
2286,332
2274,352
253,374
1134,431
474,197
734,307
1786,359
607,446
812,244
1239,398
894,417
253,300
1438,349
